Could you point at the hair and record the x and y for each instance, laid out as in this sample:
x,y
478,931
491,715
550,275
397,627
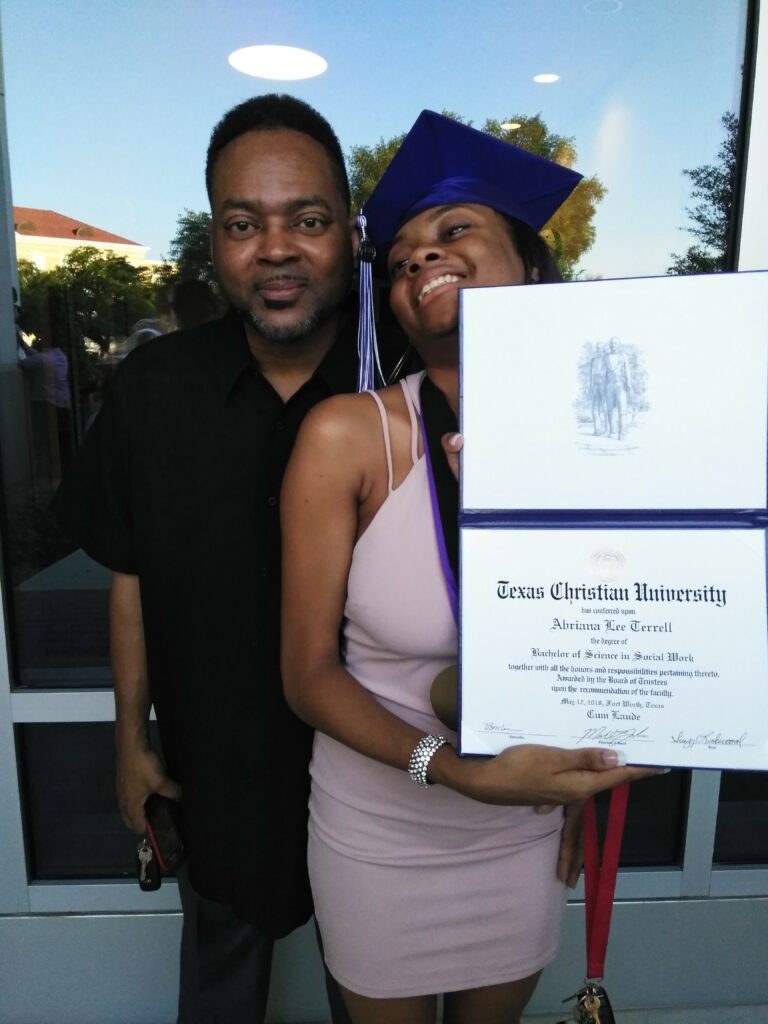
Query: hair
x,y
272,112
533,251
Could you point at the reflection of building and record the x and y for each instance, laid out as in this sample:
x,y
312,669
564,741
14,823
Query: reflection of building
x,y
45,237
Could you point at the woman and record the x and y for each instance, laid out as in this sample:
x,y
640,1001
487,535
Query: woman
x,y
457,888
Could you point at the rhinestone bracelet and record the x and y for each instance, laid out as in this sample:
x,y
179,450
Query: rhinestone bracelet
x,y
422,754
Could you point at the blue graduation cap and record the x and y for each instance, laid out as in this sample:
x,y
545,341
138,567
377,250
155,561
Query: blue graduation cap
x,y
440,162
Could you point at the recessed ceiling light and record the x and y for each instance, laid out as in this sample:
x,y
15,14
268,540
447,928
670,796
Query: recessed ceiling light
x,y
511,126
284,63
546,79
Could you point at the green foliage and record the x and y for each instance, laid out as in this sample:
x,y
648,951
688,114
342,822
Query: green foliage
x,y
190,247
92,299
570,232
366,166
713,185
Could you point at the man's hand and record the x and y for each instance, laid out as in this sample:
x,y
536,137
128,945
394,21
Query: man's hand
x,y
140,773
139,770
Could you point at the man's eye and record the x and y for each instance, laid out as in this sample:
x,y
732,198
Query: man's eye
x,y
396,266
239,227
311,223
455,229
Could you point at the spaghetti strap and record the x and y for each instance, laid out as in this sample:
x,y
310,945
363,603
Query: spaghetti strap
x,y
387,440
410,403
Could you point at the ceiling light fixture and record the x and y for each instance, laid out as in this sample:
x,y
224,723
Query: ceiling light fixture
x,y
546,79
283,63
511,126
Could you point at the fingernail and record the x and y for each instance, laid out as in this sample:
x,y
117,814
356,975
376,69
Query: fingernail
x,y
663,771
614,758
454,440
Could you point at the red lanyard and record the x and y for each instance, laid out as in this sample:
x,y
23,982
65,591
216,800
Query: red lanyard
x,y
600,879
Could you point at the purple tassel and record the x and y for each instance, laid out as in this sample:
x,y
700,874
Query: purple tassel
x,y
367,348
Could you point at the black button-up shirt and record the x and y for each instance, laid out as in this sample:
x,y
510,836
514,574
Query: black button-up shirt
x,y
178,482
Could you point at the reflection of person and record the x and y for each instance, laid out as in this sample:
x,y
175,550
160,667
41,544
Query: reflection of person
x,y
618,389
193,302
597,391
457,888
176,490
47,369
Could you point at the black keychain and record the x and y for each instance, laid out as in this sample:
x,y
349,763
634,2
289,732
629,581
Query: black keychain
x,y
592,1006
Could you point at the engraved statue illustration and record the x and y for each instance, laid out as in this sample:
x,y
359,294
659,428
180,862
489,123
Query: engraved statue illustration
x,y
618,389
611,395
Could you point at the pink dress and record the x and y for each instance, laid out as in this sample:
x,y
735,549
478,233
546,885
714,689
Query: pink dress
x,y
419,890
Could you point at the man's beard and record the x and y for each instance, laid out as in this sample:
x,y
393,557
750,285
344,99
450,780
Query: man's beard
x,y
287,332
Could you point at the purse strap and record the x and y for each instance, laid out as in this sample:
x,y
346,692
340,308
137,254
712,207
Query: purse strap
x,y
600,877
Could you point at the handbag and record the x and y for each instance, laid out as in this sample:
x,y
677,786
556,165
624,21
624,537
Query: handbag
x,y
592,1003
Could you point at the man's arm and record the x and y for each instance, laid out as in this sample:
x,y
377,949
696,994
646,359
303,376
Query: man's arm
x,y
139,770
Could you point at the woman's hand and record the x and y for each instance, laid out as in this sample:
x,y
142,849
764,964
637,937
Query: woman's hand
x,y
571,857
452,445
528,775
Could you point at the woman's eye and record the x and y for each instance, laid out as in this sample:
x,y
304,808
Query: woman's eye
x,y
455,229
397,266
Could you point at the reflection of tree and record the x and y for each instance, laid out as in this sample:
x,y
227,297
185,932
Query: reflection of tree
x,y
570,232
713,185
97,296
82,306
190,247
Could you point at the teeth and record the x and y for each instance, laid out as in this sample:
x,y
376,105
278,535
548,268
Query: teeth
x,y
435,283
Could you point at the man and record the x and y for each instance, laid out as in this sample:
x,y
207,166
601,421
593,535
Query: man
x,y
618,390
176,490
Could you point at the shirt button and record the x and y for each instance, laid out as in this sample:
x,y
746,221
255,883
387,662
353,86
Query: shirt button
x,y
280,425
263,570
272,500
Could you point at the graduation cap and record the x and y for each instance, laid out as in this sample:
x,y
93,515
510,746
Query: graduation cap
x,y
440,162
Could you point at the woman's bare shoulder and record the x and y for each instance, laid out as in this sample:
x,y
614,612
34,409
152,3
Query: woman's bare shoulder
x,y
341,419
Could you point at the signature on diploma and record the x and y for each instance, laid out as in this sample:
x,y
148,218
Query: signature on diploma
x,y
712,740
604,734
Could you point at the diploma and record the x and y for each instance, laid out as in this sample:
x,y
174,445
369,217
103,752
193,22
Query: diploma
x,y
613,514
649,641
637,394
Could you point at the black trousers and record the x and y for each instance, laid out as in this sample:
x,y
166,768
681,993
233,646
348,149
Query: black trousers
x,y
226,965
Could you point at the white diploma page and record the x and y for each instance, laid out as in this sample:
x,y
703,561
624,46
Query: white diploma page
x,y
636,394
651,641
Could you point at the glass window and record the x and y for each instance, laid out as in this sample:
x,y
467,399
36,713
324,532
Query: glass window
x,y
73,826
653,832
742,819
107,175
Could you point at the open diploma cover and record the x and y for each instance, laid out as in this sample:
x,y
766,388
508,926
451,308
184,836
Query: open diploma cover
x,y
612,519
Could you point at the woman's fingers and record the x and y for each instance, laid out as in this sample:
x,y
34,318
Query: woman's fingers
x,y
530,774
571,856
452,445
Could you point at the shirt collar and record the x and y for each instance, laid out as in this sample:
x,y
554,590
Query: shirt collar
x,y
338,369
233,356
